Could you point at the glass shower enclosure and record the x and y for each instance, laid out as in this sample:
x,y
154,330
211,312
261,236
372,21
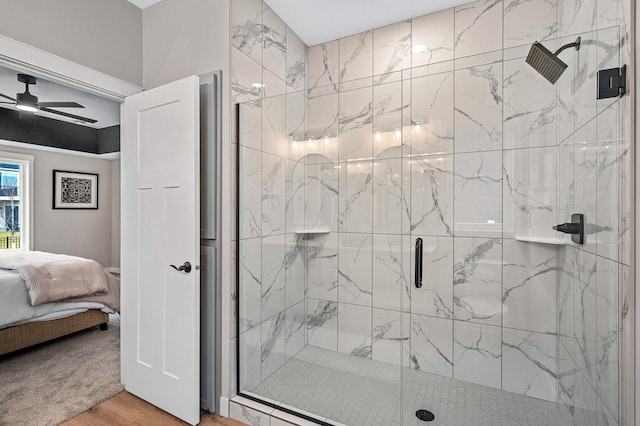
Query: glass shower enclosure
x,y
396,260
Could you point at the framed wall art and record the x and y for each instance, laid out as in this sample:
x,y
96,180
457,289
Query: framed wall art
x,y
75,190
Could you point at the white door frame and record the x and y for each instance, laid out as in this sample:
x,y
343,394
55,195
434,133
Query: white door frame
x,y
33,61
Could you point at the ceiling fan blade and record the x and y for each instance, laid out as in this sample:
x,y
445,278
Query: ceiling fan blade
x,y
8,97
59,105
66,114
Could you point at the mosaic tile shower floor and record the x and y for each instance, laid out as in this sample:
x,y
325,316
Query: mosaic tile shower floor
x,y
355,391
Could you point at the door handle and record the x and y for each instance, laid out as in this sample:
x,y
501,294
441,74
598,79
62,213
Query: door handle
x,y
418,263
185,267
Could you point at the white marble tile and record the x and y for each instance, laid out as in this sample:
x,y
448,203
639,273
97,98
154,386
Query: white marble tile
x,y
529,276
296,124
388,201
323,66
296,76
431,349
477,280
273,344
530,180
435,32
295,270
355,196
322,266
295,329
391,337
478,194
478,109
626,236
295,192
585,80
250,283
477,354
566,183
526,22
322,196
566,380
577,16
251,196
251,124
354,330
391,49
355,269
478,27
323,122
567,272
388,106
273,195
529,107
274,41
274,114
246,27
432,114
585,401
607,351
273,275
432,195
608,167
248,415
585,322
322,324
529,364
272,85
390,280
246,77
586,180
566,99
355,124
607,56
435,297
356,56
609,12
251,358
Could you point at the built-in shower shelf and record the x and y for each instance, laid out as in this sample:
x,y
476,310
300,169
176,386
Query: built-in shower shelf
x,y
552,241
313,231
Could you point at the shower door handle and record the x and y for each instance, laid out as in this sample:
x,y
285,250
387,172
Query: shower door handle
x,y
418,263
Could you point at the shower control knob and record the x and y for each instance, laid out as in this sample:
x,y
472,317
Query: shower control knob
x,y
568,228
575,228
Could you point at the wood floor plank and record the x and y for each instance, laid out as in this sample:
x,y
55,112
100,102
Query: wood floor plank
x,y
127,409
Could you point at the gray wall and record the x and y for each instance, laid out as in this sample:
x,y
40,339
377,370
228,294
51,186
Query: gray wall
x,y
103,35
184,37
85,233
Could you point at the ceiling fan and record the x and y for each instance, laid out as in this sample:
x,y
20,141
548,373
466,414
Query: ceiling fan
x,y
29,103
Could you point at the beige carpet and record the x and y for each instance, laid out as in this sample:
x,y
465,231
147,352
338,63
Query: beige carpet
x,y
56,381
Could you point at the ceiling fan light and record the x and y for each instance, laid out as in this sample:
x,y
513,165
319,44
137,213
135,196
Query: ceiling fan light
x,y
27,107
27,102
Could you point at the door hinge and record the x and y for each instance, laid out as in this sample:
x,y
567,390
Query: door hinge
x,y
612,83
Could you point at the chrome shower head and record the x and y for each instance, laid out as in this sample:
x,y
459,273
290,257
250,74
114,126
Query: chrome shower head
x,y
548,64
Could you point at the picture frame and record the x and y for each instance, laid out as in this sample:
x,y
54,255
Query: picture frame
x,y
75,190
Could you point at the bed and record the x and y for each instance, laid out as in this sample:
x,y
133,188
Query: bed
x,y
41,300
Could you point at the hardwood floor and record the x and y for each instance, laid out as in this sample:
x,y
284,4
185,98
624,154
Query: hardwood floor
x,y
127,409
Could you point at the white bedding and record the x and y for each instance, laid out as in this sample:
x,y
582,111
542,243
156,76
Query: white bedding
x,y
15,308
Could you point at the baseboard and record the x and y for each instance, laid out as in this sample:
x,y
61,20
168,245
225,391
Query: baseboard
x,y
224,406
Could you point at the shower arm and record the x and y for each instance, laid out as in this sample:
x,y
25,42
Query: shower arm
x,y
575,44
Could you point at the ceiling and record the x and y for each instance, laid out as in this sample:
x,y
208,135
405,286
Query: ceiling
x,y
107,112
317,21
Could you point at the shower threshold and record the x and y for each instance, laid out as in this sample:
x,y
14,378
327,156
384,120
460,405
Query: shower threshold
x,y
354,391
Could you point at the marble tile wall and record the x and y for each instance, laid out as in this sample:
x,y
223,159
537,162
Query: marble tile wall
x,y
436,128
439,129
269,65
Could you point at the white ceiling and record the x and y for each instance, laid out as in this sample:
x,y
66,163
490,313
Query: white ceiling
x,y
107,112
319,21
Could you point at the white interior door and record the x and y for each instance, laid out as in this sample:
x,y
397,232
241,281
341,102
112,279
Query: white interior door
x,y
161,227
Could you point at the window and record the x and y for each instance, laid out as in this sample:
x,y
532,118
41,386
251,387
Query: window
x,y
15,201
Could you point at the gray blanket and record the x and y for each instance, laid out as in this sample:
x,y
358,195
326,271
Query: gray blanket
x,y
54,277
